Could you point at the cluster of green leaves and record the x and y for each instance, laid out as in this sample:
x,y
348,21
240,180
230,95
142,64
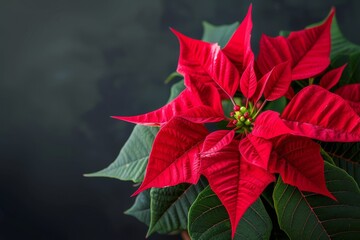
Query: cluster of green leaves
x,y
282,211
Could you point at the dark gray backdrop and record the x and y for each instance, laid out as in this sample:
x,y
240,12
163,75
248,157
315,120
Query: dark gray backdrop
x,y
66,66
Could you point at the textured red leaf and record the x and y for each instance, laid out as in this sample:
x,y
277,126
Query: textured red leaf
x,y
217,140
202,114
310,49
278,83
207,93
211,108
202,105
206,61
248,81
255,150
290,93
260,87
173,158
307,50
331,78
273,51
269,125
351,93
179,105
299,163
237,183
315,113
238,49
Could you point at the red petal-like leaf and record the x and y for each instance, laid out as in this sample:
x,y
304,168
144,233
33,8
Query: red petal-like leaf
x,y
238,49
290,93
202,105
237,183
278,82
248,81
273,51
299,163
217,140
317,113
206,61
310,49
202,114
255,150
179,105
174,155
269,125
351,93
260,87
331,78
208,95
211,110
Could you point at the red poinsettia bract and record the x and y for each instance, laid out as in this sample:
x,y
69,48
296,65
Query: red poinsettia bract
x,y
241,160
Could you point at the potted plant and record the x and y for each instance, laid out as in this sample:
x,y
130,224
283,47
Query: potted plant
x,y
251,147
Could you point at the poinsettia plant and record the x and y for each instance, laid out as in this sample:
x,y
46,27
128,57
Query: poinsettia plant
x,y
252,147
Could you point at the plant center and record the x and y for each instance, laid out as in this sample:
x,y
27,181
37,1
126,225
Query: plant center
x,y
242,118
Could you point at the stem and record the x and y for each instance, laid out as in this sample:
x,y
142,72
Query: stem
x,y
185,235
251,107
232,101
311,81
261,107
300,83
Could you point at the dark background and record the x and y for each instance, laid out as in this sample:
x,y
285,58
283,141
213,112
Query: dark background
x,y
66,66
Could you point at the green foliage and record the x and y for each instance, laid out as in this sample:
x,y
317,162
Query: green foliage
x,y
345,156
196,208
131,162
176,89
218,34
141,207
309,216
209,220
339,44
169,206
277,105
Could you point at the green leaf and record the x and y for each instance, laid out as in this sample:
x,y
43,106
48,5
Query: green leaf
x,y
339,44
172,76
176,89
309,216
131,162
209,220
345,156
277,105
141,207
218,34
169,206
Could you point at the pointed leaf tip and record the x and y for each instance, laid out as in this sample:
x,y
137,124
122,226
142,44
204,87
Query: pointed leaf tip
x,y
332,77
310,49
173,162
238,48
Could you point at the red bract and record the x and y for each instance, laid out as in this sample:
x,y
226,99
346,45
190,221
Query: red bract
x,y
202,105
298,161
315,113
174,156
351,94
308,50
331,78
240,162
236,182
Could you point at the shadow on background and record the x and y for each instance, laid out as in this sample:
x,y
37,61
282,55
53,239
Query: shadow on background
x,y
66,66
